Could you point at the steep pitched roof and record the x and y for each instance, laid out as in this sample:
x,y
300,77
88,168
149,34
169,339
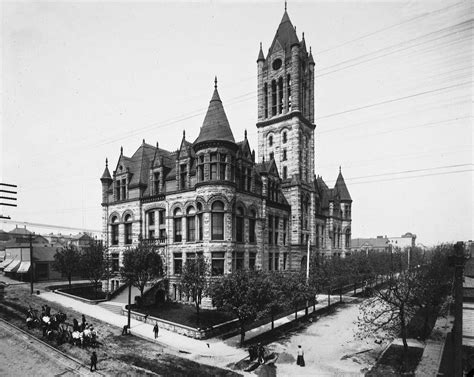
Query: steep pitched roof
x,y
215,125
139,164
285,35
341,188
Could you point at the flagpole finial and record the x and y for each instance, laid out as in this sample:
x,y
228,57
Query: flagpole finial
x,y
285,5
215,82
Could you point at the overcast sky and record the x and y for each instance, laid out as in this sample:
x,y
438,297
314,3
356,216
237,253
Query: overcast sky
x,y
393,100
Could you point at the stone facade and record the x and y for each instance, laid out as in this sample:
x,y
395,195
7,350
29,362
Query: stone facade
x,y
213,196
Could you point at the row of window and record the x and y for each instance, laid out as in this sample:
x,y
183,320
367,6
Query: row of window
x,y
127,236
194,223
238,261
273,230
275,94
284,139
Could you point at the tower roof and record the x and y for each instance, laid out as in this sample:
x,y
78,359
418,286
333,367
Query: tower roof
x,y
341,188
260,54
286,34
215,125
106,175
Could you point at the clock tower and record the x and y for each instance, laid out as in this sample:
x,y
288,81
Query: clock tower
x,y
286,121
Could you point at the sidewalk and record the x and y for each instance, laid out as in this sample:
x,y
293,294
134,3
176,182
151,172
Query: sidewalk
x,y
187,347
433,353
212,351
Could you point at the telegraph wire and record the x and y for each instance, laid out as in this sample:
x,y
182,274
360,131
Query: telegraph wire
x,y
441,10
395,100
461,24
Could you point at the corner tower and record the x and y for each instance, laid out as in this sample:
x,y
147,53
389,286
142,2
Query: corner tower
x,y
286,120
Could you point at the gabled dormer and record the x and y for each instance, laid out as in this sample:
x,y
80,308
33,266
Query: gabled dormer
x,y
121,177
184,162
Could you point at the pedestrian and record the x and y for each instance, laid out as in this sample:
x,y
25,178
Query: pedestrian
x,y
93,361
155,330
300,358
48,310
84,323
261,353
125,330
75,325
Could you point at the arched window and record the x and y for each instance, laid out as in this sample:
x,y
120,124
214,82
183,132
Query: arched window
x,y
252,226
265,94
284,137
288,86
239,224
199,224
115,230
270,141
217,221
274,98
348,238
280,95
191,224
177,221
128,230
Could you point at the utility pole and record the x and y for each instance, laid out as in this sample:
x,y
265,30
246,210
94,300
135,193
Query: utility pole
x,y
3,190
458,262
129,304
32,272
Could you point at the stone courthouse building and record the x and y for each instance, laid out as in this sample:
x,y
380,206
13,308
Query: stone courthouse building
x,y
214,196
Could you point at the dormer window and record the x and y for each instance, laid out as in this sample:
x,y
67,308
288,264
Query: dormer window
x,y
156,183
182,176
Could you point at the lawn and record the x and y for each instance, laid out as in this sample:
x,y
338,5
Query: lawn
x,y
186,314
86,292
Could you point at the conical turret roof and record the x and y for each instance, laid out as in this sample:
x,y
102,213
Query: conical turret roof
x,y
106,175
215,125
341,188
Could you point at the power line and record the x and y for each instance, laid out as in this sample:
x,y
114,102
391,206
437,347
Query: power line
x,y
411,177
394,100
41,225
388,28
368,55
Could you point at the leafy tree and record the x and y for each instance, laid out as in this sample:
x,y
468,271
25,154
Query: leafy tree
x,y
277,302
296,290
141,265
195,279
433,284
67,261
244,293
93,263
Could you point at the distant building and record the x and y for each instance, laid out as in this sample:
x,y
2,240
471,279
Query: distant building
x,y
406,240
383,243
379,243
214,197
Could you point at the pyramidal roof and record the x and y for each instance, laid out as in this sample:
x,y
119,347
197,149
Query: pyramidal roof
x,y
286,34
341,188
215,125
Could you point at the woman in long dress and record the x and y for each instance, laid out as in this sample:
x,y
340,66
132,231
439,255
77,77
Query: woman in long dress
x,y
300,358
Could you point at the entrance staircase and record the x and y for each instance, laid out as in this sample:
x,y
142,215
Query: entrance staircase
x,y
114,307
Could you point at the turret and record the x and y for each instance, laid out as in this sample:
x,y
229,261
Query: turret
x,y
106,180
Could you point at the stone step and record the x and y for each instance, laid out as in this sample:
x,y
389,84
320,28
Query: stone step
x,y
112,307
